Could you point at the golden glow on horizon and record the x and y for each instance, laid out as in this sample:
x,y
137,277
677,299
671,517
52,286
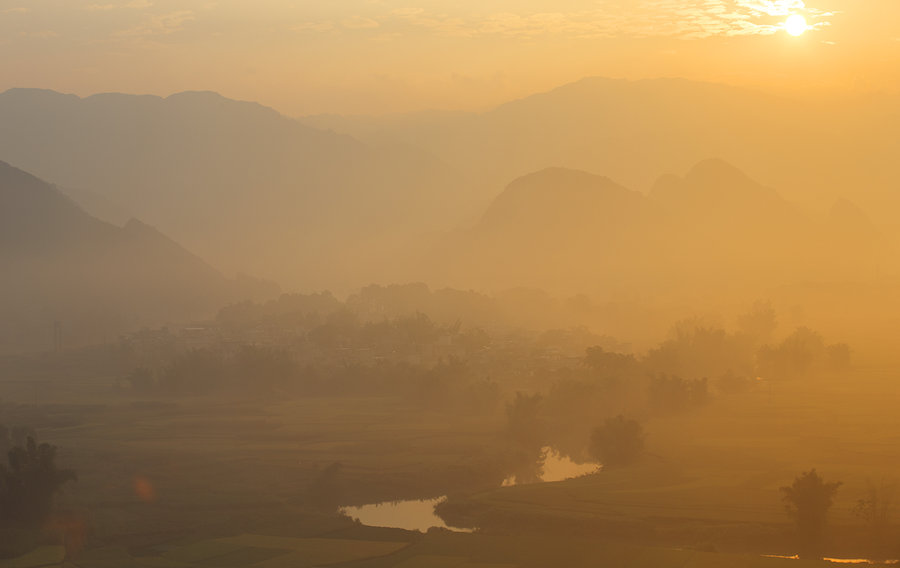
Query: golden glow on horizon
x,y
795,25
367,57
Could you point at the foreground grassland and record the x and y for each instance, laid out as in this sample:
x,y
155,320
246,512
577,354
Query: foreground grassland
x,y
207,482
711,478
430,551
150,472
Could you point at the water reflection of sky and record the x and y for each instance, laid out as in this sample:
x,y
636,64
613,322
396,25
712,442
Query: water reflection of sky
x,y
418,514
556,467
410,515
841,560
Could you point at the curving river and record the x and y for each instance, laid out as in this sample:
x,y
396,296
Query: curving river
x,y
418,514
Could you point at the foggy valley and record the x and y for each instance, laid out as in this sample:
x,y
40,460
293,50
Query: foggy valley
x,y
631,310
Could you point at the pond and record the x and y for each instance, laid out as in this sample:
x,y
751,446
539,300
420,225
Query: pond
x,y
418,514
556,467
412,515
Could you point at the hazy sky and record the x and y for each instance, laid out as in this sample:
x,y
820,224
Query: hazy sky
x,y
376,56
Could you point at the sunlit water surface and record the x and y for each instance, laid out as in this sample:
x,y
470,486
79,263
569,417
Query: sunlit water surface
x,y
412,515
418,514
558,468
842,560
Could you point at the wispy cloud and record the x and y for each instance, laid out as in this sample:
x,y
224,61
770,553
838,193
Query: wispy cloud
x,y
647,18
320,27
159,24
359,23
133,5
771,7
40,34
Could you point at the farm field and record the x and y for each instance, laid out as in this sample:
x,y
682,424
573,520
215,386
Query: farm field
x,y
431,551
214,482
712,477
206,465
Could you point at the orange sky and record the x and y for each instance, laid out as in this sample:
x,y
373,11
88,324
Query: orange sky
x,y
379,56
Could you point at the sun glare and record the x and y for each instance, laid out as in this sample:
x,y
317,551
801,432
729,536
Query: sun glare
x,y
795,25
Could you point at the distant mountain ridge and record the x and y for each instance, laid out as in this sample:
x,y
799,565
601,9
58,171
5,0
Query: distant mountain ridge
x,y
575,194
247,188
339,202
61,264
712,231
633,131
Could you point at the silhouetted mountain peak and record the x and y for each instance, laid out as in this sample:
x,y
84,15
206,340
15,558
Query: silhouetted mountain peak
x,y
559,195
71,263
32,95
564,184
206,102
717,171
203,96
136,226
714,183
24,198
212,99
11,175
562,178
609,97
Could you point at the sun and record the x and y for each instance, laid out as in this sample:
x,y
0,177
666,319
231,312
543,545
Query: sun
x,y
795,25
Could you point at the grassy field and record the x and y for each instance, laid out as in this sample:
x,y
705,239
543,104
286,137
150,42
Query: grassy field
x,y
42,556
433,551
151,473
712,477
176,483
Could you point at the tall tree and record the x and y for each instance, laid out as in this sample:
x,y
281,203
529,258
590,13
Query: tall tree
x,y
807,500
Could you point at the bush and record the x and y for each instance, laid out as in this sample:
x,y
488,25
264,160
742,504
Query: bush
x,y
807,500
27,489
619,441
